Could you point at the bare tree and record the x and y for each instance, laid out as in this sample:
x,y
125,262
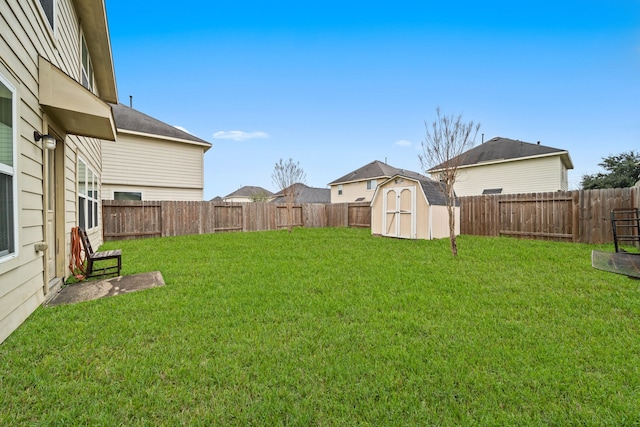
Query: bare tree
x,y
447,139
259,196
286,176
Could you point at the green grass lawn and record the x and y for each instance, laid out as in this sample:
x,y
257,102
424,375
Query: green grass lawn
x,y
336,327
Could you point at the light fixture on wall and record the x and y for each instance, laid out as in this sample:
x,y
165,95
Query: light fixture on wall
x,y
48,141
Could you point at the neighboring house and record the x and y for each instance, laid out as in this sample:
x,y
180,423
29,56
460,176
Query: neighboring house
x,y
247,194
56,80
507,166
151,160
411,206
305,194
359,185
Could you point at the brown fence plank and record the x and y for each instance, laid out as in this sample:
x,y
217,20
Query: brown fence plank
x,y
131,219
359,215
577,216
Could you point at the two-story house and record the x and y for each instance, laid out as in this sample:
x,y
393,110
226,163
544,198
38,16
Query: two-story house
x,y
507,166
56,82
360,184
151,160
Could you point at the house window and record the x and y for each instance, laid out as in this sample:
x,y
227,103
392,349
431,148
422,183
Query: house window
x,y
127,195
8,203
340,190
48,6
371,184
87,197
492,191
87,67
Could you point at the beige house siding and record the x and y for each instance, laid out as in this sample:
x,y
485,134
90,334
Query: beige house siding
x,y
520,176
153,193
160,169
24,36
352,191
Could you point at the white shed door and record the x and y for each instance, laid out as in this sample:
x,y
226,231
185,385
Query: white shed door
x,y
399,213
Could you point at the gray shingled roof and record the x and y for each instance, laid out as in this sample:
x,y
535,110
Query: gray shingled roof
x,y
434,193
248,191
306,194
129,119
500,148
431,188
375,169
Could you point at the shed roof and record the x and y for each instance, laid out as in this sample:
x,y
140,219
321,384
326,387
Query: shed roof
x,y
431,189
129,119
504,149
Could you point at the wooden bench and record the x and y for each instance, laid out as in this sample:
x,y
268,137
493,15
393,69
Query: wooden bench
x,y
93,257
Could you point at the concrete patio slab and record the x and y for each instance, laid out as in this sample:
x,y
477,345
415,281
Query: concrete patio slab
x,y
86,291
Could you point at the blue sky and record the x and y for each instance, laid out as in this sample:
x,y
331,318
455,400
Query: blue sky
x,y
337,84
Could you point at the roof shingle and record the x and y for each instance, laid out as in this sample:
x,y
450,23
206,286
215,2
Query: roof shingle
x,y
375,169
499,148
129,119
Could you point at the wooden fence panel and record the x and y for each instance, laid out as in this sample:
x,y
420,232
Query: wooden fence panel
x,y
545,216
314,215
575,216
259,216
359,215
282,216
181,217
131,219
228,218
337,215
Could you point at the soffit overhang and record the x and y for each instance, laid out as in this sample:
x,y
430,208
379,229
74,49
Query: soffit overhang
x,y
72,106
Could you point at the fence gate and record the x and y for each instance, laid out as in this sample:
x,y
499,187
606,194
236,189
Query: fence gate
x,y
537,217
131,219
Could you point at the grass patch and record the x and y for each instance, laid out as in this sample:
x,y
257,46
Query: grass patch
x,y
335,327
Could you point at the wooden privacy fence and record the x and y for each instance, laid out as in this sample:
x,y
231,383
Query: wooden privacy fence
x,y
137,219
575,216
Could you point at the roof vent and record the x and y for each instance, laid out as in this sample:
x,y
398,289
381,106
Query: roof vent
x,y
538,142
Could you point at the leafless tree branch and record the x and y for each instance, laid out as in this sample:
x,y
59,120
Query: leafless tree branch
x,y
286,176
447,139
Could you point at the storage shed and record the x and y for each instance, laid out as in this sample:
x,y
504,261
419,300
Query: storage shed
x,y
411,206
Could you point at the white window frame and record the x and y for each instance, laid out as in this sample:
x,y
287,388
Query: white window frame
x,y
12,170
86,75
339,189
89,219
372,184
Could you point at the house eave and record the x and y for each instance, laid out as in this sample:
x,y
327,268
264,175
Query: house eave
x,y
205,145
564,156
357,180
93,20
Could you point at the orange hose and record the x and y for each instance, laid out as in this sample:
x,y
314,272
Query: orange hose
x,y
76,264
